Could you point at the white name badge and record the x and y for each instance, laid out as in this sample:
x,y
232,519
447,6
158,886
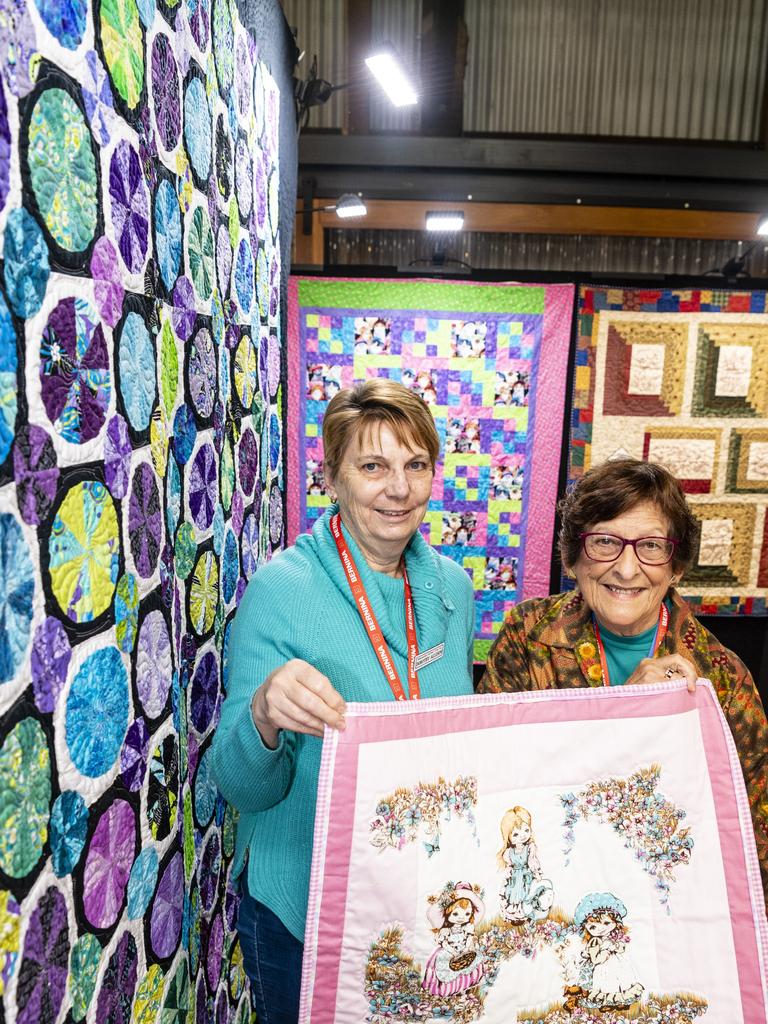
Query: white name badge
x,y
427,657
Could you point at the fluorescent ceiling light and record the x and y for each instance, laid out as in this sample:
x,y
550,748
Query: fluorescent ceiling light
x,y
350,205
445,220
389,73
762,226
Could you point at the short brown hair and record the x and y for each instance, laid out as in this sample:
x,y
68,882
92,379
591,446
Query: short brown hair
x,y
615,487
377,401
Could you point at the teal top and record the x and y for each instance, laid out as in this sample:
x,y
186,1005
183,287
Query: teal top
x,y
299,605
624,653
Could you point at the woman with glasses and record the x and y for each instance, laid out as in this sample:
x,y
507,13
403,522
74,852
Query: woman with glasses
x,y
627,536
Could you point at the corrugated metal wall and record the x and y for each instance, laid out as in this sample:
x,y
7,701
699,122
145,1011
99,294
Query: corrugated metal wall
x,y
688,69
322,29
568,253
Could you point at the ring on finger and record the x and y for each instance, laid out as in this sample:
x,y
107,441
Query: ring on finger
x,y
671,671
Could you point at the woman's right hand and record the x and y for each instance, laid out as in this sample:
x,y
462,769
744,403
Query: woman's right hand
x,y
298,697
661,669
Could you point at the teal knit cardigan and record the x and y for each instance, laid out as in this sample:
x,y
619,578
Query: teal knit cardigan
x,y
299,606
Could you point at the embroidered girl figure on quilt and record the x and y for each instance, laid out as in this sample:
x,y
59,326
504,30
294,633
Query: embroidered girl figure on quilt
x,y
526,895
456,965
607,979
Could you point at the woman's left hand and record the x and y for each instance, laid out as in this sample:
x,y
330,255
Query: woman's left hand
x,y
659,670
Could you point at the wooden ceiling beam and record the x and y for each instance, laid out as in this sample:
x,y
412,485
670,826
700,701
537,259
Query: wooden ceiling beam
x,y
554,219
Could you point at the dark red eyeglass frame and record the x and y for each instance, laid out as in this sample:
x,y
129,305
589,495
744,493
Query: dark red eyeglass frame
x,y
624,542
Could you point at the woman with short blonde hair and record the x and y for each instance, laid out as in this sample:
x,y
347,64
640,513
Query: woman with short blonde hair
x,y
368,406
303,644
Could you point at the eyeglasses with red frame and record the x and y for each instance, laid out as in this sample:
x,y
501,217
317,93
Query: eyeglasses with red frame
x,y
607,547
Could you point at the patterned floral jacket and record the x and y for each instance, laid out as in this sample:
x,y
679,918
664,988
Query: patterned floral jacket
x,y
550,642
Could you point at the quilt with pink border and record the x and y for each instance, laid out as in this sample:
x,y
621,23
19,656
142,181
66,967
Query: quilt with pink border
x,y
558,857
491,362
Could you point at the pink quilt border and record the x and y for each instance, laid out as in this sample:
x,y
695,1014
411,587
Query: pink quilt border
x,y
547,437
293,423
379,721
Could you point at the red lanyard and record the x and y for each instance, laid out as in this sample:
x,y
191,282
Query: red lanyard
x,y
658,636
379,644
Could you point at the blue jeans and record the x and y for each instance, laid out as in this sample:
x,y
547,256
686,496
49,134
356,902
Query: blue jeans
x,y
272,960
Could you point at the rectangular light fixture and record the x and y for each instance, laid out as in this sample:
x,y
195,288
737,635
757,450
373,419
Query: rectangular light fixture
x,y
388,72
350,205
445,220
762,226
